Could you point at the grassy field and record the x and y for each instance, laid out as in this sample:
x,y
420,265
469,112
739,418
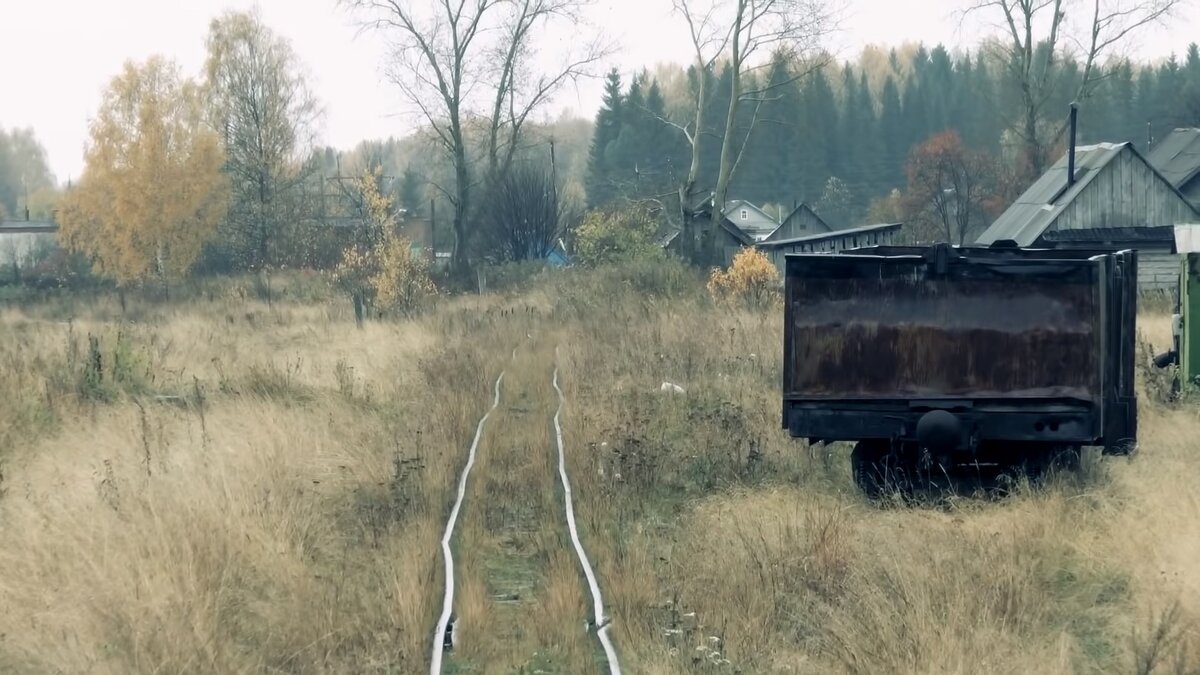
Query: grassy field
x,y
215,486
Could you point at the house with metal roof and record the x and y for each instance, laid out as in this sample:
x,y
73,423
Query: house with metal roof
x,y
1177,158
760,226
830,242
748,218
801,230
801,222
1108,193
728,237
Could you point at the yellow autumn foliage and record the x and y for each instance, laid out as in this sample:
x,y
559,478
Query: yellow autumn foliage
x,y
383,271
152,190
752,278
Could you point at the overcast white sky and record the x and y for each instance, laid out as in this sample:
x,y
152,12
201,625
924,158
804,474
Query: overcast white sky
x,y
56,57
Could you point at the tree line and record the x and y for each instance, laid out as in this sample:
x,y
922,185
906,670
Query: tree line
x,y
222,171
868,124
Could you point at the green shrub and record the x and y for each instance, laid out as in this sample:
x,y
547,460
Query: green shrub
x,y
617,236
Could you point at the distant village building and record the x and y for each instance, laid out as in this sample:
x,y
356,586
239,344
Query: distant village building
x,y
801,222
800,231
25,243
830,242
1115,198
750,219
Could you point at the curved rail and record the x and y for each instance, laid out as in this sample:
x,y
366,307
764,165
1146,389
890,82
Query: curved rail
x,y
600,620
435,667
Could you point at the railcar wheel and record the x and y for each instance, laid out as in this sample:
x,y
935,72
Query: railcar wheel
x,y
876,469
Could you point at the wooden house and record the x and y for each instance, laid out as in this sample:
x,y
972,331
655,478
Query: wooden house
x,y
801,222
801,230
753,221
830,242
1110,195
727,238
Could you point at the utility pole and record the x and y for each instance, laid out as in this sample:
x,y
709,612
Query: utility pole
x,y
432,232
553,174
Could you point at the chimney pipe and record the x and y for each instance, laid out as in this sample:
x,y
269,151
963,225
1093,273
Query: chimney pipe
x,y
1071,151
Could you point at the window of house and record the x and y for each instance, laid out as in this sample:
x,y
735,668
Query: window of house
x,y
745,214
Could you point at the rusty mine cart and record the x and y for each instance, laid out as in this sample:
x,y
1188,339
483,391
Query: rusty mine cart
x,y
939,360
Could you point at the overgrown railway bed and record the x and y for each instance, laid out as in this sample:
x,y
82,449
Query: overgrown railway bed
x,y
519,591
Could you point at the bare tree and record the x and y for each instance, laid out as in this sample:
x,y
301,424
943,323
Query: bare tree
x,y
748,35
1036,33
524,215
461,62
520,91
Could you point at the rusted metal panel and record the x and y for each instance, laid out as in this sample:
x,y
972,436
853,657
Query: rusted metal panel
x,y
1030,345
891,330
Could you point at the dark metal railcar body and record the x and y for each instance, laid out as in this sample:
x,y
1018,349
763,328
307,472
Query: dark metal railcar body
x,y
962,353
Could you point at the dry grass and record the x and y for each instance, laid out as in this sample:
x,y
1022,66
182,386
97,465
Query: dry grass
x,y
728,547
262,490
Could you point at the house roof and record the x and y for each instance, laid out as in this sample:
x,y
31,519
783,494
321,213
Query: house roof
x,y
1033,212
758,224
836,234
737,233
1177,156
27,226
802,208
743,237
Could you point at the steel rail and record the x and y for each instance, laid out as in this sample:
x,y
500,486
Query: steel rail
x,y
435,664
600,621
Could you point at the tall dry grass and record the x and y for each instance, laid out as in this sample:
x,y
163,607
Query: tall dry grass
x,y
254,489
235,488
728,547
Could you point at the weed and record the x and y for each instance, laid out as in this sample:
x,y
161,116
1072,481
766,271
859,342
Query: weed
x,y
1166,645
270,380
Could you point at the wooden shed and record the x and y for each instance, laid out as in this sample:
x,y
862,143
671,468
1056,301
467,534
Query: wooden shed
x,y
1158,262
830,242
801,222
1113,194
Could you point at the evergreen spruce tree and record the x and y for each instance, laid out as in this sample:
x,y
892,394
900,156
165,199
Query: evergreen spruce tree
x,y
1188,109
598,182
767,174
891,127
870,144
818,151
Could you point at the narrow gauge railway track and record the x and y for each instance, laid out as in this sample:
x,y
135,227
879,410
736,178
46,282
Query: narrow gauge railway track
x,y
514,597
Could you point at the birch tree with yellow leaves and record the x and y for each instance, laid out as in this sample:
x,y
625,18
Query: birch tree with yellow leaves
x,y
152,190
